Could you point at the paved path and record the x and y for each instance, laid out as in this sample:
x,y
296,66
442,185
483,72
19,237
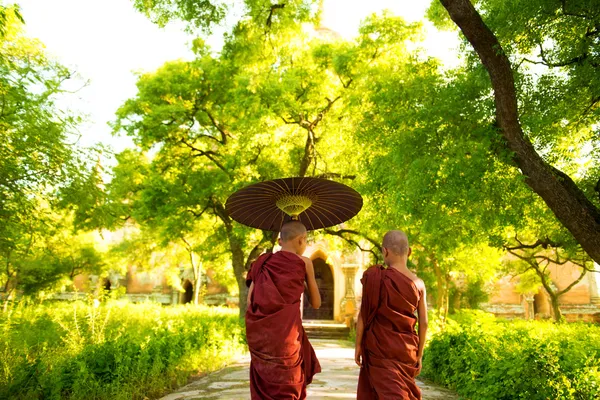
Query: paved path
x,y
337,380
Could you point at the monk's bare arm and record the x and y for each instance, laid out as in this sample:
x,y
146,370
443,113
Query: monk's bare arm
x,y
423,321
360,329
313,289
250,289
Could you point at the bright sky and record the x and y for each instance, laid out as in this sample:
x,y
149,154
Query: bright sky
x,y
106,41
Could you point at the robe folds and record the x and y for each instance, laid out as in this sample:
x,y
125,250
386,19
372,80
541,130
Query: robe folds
x,y
283,361
390,343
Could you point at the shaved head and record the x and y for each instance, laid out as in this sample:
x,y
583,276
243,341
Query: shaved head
x,y
396,242
291,230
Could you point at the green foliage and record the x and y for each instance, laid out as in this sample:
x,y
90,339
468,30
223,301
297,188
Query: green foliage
x,y
7,15
53,268
437,14
484,358
37,162
201,13
205,14
471,293
434,169
114,351
49,255
35,154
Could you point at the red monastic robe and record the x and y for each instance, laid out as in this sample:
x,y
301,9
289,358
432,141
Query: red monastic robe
x,y
390,343
283,361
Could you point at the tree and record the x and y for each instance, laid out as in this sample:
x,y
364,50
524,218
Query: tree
x,y
539,257
540,245
192,173
209,130
260,110
574,51
37,158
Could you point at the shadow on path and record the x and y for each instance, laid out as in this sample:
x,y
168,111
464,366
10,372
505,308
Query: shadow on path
x,y
337,380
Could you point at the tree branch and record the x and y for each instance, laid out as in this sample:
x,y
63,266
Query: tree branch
x,y
545,243
575,60
196,214
208,154
549,260
340,233
271,11
575,282
224,133
335,175
221,212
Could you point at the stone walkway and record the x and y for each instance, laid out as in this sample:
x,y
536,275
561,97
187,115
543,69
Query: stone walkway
x,y
337,380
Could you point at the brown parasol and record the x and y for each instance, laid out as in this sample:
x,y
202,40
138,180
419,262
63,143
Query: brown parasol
x,y
317,203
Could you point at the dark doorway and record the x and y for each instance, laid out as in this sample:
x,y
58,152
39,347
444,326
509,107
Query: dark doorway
x,y
189,292
106,285
324,279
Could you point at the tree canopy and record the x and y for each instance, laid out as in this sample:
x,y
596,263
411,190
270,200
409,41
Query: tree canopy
x,y
470,167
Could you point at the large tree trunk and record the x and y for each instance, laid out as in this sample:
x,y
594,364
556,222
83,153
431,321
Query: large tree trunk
x,y
441,300
197,281
556,313
237,255
241,264
553,294
570,205
237,260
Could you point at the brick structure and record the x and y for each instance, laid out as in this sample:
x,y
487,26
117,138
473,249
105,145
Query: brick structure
x,y
581,303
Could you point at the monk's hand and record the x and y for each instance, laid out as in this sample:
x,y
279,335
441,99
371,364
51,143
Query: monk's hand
x,y
357,355
419,366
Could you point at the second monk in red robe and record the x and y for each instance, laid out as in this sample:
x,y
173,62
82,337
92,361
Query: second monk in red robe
x,y
388,349
283,361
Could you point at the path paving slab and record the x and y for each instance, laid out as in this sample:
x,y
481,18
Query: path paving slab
x,y
337,380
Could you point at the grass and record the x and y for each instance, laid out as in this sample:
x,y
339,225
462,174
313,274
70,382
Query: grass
x,y
115,350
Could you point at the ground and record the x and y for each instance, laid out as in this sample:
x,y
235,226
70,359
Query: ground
x,y
337,380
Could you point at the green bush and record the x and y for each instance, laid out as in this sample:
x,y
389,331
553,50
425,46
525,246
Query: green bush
x,y
483,358
111,351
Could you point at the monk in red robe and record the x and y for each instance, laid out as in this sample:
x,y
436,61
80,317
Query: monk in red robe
x,y
283,361
388,349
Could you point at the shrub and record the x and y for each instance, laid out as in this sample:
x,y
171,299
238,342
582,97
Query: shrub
x,y
482,358
113,351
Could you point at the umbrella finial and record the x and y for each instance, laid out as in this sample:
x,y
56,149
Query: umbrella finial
x,y
294,205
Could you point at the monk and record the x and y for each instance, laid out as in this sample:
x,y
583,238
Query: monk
x,y
283,362
388,350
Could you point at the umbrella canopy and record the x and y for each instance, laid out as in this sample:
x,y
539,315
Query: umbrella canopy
x,y
317,203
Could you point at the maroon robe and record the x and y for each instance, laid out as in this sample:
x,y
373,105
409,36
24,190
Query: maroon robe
x,y
390,343
283,361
